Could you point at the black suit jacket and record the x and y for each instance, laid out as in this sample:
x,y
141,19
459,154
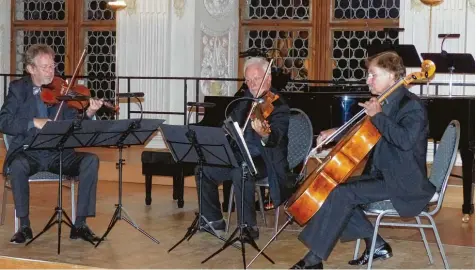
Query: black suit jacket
x,y
275,151
400,155
18,110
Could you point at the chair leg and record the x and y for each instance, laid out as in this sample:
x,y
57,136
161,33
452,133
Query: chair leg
x,y
438,241
276,221
356,251
374,239
4,203
425,242
17,220
230,204
261,205
73,204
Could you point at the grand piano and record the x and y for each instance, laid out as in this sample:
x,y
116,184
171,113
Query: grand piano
x,y
332,108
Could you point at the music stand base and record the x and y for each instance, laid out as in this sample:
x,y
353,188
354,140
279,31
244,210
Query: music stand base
x,y
243,237
194,227
59,212
121,214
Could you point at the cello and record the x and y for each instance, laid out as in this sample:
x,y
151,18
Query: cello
x,y
344,158
319,178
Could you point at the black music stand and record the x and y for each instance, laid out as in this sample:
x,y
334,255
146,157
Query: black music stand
x,y
459,63
247,166
407,52
204,146
124,133
55,135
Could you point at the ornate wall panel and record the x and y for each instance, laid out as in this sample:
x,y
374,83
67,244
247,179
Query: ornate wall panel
x,y
218,59
97,10
366,9
56,39
291,54
44,10
350,51
101,62
277,9
219,8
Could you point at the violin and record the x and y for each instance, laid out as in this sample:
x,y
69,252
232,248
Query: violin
x,y
263,110
58,86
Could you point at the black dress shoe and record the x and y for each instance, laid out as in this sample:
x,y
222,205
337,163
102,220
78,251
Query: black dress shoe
x,y
83,232
253,232
382,252
22,235
302,265
219,227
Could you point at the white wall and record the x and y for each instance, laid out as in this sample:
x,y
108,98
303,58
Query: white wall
x,y
176,38
450,17
5,38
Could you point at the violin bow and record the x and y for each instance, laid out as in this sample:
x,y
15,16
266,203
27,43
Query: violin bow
x,y
254,104
75,74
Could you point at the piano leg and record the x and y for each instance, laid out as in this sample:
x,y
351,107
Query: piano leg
x,y
178,185
467,158
148,189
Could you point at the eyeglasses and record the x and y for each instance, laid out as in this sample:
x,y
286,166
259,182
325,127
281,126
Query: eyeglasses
x,y
253,80
48,67
375,75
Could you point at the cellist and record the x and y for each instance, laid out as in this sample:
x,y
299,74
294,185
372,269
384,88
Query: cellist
x,y
22,115
396,170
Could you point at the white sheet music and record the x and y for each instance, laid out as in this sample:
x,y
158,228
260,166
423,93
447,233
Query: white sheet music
x,y
237,131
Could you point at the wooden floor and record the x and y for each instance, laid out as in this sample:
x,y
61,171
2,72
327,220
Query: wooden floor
x,y
128,248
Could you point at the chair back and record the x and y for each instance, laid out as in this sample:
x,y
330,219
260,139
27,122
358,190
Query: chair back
x,y
5,140
444,159
300,135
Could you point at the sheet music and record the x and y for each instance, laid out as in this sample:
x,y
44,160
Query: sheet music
x,y
242,142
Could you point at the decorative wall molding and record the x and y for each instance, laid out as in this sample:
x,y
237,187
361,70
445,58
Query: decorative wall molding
x,y
218,59
471,5
179,8
218,8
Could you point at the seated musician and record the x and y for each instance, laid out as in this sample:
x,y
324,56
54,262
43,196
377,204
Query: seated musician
x,y
22,115
269,152
396,171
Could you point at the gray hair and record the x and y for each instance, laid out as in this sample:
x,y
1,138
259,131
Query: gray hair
x,y
36,50
260,61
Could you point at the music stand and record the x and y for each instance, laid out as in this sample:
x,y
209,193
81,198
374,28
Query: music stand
x,y
247,166
204,146
121,133
407,52
460,63
55,135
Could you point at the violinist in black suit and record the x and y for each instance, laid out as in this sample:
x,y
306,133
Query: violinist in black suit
x,y
396,170
22,115
269,152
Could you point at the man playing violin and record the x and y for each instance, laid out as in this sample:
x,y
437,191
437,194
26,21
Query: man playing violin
x,y
22,115
269,152
395,171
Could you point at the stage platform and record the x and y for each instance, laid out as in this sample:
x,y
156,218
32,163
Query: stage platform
x,y
127,248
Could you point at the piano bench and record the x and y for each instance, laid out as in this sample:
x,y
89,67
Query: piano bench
x,y
162,163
